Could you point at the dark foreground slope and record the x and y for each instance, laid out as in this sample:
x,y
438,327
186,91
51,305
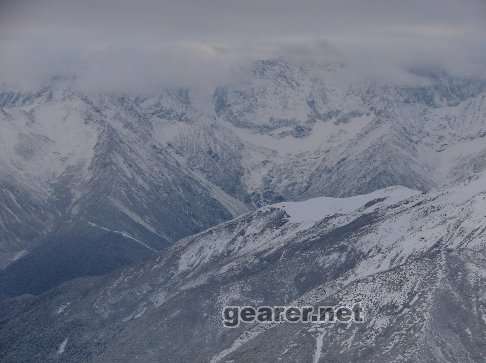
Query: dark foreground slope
x,y
415,262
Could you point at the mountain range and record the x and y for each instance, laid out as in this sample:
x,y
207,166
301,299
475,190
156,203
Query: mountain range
x,y
127,221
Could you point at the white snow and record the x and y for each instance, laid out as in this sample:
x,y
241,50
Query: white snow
x,y
62,308
19,255
247,239
62,346
323,135
316,209
45,140
124,234
319,345
136,218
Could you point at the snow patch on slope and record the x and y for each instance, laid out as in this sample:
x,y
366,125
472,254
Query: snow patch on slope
x,y
314,210
62,346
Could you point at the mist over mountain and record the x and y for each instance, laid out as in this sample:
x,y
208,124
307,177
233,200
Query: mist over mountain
x,y
160,161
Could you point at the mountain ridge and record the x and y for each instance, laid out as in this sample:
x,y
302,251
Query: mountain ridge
x,y
398,252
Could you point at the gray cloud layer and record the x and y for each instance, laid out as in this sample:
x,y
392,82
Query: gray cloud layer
x,y
120,44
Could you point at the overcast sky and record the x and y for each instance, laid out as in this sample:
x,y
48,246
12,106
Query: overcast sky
x,y
146,43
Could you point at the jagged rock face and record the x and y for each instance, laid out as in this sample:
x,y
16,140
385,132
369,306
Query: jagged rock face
x,y
23,219
299,133
162,167
74,163
414,261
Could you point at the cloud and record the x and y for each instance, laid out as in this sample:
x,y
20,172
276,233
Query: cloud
x,y
147,44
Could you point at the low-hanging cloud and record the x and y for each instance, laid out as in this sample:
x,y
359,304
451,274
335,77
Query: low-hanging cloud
x,y
121,45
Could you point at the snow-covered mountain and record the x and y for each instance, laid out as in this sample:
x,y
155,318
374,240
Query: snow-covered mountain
x,y
414,260
152,169
68,161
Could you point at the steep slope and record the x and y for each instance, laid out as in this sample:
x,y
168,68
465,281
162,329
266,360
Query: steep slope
x,y
163,166
414,261
24,218
83,250
302,131
71,162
